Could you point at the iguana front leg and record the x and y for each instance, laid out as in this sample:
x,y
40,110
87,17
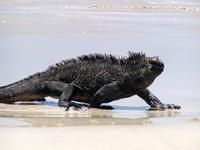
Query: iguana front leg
x,y
154,102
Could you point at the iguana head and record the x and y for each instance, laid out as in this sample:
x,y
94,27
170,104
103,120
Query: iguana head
x,y
145,69
153,68
155,65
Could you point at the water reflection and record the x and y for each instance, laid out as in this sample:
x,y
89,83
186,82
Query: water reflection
x,y
130,107
98,117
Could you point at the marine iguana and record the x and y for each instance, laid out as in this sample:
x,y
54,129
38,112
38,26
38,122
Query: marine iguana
x,y
92,79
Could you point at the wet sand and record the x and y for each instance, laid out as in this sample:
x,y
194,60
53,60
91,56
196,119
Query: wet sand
x,y
35,34
46,126
48,114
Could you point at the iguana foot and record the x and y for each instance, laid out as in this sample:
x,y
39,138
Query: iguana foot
x,y
165,106
62,103
76,106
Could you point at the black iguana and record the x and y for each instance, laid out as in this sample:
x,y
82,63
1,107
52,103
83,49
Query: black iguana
x,y
92,79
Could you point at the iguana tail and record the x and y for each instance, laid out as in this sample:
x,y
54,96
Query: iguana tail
x,y
9,92
18,91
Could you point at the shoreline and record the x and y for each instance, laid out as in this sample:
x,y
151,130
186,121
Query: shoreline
x,y
48,114
103,6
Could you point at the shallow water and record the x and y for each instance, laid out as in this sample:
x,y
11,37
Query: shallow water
x,y
48,114
36,34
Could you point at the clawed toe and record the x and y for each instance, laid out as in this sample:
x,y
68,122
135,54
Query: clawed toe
x,y
172,106
165,106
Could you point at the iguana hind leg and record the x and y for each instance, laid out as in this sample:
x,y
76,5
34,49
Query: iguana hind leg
x,y
63,90
154,102
66,92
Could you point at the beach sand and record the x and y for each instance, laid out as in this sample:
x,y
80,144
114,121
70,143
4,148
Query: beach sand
x,y
36,34
45,126
185,137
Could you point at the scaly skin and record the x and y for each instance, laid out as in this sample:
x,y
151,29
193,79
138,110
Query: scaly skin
x,y
91,79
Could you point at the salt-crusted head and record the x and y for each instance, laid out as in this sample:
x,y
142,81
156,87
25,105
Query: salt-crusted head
x,y
146,69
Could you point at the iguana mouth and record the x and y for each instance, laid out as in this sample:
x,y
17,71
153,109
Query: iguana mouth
x,y
157,68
